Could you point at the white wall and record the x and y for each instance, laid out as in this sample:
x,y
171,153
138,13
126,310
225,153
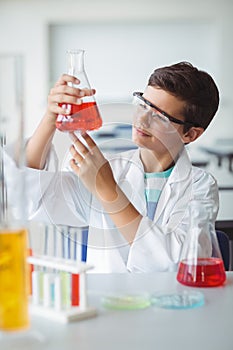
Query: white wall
x,y
24,28
120,56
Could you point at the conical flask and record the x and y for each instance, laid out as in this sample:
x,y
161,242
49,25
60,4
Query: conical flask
x,y
84,116
201,263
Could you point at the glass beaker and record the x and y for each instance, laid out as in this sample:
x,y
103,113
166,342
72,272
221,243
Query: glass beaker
x,y
14,313
84,116
201,263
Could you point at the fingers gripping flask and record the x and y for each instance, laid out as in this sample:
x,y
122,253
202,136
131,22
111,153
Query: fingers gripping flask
x,y
201,263
83,116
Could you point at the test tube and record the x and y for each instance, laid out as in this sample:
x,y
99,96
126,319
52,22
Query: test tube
x,y
83,291
57,293
75,278
37,287
65,276
47,295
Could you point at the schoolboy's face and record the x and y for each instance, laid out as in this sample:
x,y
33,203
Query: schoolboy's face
x,y
150,129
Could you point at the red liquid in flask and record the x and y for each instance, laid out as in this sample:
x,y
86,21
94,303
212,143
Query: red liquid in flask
x,y
82,117
206,272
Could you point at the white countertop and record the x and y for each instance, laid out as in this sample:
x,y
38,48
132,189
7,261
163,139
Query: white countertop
x,y
208,327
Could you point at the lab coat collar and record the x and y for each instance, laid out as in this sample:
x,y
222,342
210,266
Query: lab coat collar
x,y
179,180
135,175
181,169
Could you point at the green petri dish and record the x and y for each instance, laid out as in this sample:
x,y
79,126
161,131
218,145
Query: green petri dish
x,y
126,301
181,300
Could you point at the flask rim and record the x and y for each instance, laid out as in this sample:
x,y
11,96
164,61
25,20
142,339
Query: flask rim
x,y
75,51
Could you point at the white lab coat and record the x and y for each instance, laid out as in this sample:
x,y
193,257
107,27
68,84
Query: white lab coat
x,y
60,197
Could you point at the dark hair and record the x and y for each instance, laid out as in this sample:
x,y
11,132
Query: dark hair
x,y
195,87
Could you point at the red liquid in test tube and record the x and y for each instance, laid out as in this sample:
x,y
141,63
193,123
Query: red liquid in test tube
x,y
30,270
75,295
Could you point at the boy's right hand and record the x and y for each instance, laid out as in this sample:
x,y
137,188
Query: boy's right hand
x,y
64,93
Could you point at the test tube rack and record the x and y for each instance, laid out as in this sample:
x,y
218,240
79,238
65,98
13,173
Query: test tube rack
x,y
57,312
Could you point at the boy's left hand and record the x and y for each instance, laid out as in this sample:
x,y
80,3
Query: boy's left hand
x,y
92,168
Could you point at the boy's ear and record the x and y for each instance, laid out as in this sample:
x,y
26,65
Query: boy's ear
x,y
192,134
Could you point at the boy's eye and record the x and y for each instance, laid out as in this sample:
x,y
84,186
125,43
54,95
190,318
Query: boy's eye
x,y
161,118
143,106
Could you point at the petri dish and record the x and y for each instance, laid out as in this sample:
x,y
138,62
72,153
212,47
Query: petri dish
x,y
126,301
178,300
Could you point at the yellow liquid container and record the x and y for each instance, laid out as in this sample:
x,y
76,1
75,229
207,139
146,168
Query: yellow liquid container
x,y
14,314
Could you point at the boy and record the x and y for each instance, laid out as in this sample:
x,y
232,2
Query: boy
x,y
136,204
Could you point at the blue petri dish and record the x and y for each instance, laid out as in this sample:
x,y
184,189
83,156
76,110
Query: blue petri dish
x,y
179,300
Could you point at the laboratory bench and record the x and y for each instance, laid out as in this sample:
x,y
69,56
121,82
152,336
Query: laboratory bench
x,y
207,327
221,151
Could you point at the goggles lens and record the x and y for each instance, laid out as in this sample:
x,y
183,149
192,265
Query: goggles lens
x,y
150,118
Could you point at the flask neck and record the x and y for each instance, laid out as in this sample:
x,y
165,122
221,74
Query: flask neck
x,y
75,61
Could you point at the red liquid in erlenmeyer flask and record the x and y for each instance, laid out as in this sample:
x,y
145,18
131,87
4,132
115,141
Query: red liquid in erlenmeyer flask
x,y
82,117
205,272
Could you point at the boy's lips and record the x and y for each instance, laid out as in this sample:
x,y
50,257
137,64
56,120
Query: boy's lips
x,y
142,132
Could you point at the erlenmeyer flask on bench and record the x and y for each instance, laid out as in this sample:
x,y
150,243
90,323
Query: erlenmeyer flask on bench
x,y
201,263
85,115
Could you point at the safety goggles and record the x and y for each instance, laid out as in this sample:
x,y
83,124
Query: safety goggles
x,y
156,117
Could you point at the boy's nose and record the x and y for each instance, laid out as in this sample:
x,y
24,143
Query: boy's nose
x,y
145,119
